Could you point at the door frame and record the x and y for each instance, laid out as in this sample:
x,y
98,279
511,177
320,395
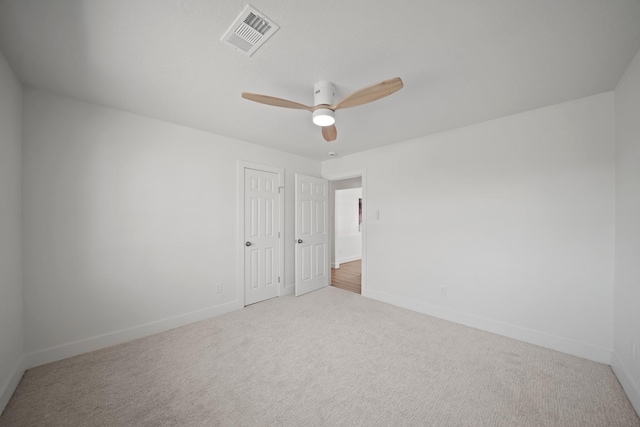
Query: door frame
x,y
365,220
242,165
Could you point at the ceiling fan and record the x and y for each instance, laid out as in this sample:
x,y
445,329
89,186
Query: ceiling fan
x,y
323,109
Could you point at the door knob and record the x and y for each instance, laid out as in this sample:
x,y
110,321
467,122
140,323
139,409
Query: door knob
x,y
299,240
248,244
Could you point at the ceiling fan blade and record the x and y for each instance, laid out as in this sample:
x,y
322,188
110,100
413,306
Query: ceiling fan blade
x,y
276,102
330,133
370,93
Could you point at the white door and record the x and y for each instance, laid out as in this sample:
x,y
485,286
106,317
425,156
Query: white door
x,y
312,234
261,235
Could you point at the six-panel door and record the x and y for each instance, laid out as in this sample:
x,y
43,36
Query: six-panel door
x,y
261,231
312,238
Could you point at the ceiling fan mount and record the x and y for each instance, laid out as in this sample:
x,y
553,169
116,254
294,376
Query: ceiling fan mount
x,y
323,110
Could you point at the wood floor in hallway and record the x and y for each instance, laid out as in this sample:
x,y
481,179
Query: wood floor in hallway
x,y
348,276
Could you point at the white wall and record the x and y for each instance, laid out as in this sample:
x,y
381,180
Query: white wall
x,y
348,236
129,221
11,302
627,282
515,217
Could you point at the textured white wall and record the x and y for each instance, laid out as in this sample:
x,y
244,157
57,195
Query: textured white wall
x,y
128,221
348,236
514,216
627,283
11,302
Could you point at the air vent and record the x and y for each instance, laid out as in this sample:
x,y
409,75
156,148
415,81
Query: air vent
x,y
249,31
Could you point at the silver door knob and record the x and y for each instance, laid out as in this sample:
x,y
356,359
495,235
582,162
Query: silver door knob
x,y
248,244
299,240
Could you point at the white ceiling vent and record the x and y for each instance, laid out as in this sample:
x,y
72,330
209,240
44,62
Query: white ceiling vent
x,y
249,31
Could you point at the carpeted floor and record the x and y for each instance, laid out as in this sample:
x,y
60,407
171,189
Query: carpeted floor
x,y
327,358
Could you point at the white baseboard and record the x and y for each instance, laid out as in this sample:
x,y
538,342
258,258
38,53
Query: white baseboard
x,y
335,265
629,386
348,259
564,345
288,290
10,384
64,351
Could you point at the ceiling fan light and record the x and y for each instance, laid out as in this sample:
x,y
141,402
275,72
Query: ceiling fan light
x,y
323,117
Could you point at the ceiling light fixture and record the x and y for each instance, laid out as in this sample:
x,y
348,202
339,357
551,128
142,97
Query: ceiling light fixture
x,y
323,117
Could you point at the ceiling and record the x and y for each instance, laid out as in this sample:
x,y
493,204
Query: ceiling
x,y
462,61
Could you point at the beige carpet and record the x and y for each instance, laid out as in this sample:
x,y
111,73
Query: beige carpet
x,y
328,358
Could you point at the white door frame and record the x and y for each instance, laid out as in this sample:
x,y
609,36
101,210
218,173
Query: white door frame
x,y
346,175
242,165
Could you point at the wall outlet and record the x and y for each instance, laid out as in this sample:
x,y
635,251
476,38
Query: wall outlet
x,y
219,288
443,290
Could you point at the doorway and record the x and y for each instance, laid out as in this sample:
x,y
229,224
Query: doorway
x,y
347,233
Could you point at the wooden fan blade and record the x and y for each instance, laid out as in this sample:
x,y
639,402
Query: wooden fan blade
x,y
276,102
370,93
330,133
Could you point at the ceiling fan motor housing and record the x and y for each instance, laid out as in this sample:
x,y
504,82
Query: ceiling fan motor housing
x,y
323,94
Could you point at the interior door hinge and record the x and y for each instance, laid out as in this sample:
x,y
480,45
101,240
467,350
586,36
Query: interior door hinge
x,y
278,279
278,234
280,189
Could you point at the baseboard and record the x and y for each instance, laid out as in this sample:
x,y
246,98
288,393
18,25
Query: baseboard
x,y
564,345
335,265
64,351
625,379
289,290
348,259
10,384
